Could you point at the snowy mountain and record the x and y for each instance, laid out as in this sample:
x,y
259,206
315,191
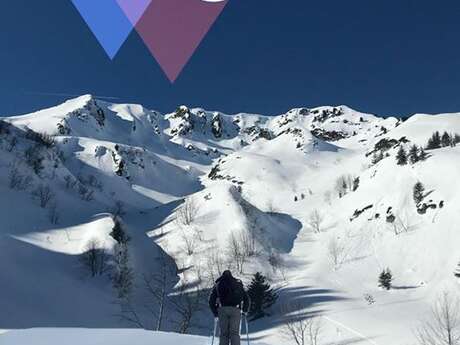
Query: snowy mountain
x,y
320,201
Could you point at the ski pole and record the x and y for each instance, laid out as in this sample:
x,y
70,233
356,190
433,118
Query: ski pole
x,y
247,327
215,331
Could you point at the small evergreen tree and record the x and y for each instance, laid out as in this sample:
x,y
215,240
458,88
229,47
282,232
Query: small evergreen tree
x,y
401,156
446,139
456,139
422,155
413,154
118,233
262,296
434,142
418,192
385,279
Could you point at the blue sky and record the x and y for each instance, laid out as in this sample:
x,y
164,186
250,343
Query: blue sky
x,y
392,57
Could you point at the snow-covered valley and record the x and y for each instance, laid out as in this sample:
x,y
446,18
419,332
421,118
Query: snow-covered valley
x,y
320,201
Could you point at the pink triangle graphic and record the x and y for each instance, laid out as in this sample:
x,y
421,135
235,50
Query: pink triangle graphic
x,y
134,9
173,30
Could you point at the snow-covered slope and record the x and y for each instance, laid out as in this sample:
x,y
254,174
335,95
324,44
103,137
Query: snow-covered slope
x,y
314,198
96,337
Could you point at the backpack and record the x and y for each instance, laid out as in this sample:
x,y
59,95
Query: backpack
x,y
230,292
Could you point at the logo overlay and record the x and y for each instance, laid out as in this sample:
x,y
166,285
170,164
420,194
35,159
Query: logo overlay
x,y
171,29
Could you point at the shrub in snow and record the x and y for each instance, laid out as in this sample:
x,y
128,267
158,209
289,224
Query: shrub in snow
x,y
385,279
369,298
262,296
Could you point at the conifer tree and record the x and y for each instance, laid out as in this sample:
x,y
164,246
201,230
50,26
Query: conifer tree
x,y
418,192
401,156
262,296
385,279
413,154
456,139
422,155
434,142
118,233
446,139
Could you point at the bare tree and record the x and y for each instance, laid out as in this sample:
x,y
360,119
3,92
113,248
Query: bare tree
x,y
337,251
16,180
215,263
129,312
187,303
118,209
315,221
12,143
53,214
236,252
443,327
70,182
344,184
34,158
43,194
95,258
303,331
157,285
188,212
122,273
86,194
278,264
189,240
248,242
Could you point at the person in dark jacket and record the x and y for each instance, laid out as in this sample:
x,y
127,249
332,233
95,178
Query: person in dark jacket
x,y
227,301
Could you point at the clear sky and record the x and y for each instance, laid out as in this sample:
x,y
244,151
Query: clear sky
x,y
390,57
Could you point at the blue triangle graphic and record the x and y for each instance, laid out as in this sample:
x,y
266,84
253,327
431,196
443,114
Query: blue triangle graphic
x,y
107,21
